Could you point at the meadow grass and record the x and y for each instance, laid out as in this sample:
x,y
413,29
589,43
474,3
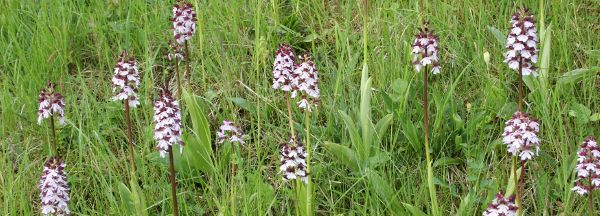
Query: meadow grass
x,y
76,43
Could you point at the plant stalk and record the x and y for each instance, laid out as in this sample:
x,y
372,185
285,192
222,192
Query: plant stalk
x,y
520,195
53,149
432,193
520,107
129,134
179,90
591,198
173,183
308,172
187,59
289,107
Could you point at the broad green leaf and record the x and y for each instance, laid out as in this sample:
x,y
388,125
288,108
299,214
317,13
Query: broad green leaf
x,y
381,128
545,61
399,90
445,161
510,188
410,132
244,104
465,205
576,75
580,112
383,190
595,117
354,134
198,149
414,210
365,118
132,202
344,154
500,37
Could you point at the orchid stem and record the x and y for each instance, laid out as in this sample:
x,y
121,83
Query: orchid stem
x,y
129,135
173,183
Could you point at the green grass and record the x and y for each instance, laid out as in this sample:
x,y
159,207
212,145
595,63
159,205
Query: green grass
x,y
76,43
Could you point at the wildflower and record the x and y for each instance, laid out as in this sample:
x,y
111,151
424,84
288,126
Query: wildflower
x,y
167,123
54,191
501,206
293,161
184,21
176,51
305,82
521,43
425,49
229,132
520,136
588,167
283,67
51,103
126,80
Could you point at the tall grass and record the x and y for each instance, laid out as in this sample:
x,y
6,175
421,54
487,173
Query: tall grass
x,y
367,85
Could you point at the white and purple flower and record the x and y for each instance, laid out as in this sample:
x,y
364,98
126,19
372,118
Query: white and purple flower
x,y
51,103
54,190
167,123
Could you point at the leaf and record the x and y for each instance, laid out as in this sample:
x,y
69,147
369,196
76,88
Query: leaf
x,y
545,61
350,125
381,127
507,110
413,210
399,89
383,190
310,38
576,75
132,202
410,132
344,154
445,161
500,37
365,118
580,112
510,188
244,104
595,117
198,151
465,205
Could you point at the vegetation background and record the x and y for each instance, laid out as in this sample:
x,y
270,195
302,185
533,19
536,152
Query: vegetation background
x,y
76,43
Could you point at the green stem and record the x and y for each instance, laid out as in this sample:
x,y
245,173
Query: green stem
x,y
289,107
173,182
187,59
432,192
516,183
308,172
179,90
591,198
53,149
129,135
